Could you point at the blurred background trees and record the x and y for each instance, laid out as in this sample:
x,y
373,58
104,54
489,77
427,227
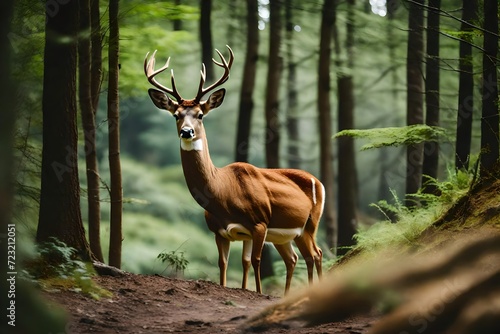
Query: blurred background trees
x,y
361,84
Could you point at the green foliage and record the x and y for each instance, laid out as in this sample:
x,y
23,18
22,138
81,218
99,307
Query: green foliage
x,y
396,136
175,260
411,222
57,266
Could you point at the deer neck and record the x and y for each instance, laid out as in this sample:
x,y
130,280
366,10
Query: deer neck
x,y
200,173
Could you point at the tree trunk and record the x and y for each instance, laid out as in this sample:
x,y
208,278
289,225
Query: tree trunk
x,y
89,131
431,149
206,37
328,17
115,233
96,53
292,120
414,99
248,82
177,23
60,215
489,90
465,87
272,133
347,179
7,120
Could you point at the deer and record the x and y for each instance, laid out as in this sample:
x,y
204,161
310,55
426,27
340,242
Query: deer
x,y
242,202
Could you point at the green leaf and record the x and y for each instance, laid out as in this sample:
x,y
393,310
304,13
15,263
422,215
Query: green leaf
x,y
396,136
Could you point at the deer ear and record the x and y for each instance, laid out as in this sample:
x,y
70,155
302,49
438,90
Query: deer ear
x,y
215,100
162,101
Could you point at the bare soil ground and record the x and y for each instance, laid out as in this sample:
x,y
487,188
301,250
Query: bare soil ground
x,y
155,304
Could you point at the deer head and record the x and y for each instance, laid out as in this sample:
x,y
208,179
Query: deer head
x,y
188,113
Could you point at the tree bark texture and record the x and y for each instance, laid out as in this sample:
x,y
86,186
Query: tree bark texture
x,y
60,215
489,90
431,149
115,237
7,120
325,121
89,130
206,37
465,87
272,131
347,179
248,83
292,119
414,98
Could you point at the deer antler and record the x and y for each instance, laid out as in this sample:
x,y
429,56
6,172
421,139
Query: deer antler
x,y
227,67
150,72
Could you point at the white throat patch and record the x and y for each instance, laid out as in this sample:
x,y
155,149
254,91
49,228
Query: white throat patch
x,y
192,145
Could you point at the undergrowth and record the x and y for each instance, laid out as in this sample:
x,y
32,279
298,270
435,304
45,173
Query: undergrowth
x,y
411,222
56,266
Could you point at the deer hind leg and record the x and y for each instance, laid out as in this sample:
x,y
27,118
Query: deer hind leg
x,y
311,253
290,258
223,246
245,261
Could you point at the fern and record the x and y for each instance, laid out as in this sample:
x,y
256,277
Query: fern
x,y
396,136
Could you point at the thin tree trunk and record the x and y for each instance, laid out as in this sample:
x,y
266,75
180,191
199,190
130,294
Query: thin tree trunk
x,y
273,84
206,37
115,237
88,122
347,180
248,83
489,90
96,53
414,99
325,121
177,23
292,120
60,215
465,87
431,149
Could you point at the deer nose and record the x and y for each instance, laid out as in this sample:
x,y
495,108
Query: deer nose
x,y
187,133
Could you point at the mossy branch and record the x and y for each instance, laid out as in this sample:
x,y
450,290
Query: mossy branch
x,y
396,136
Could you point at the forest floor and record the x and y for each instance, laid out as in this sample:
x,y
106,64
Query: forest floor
x,y
156,304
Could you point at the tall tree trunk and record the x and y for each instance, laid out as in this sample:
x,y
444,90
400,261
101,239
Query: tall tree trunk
x,y
7,119
96,54
272,131
89,130
272,139
60,215
248,82
347,179
465,87
489,90
431,149
328,17
115,233
177,23
414,98
206,37
292,120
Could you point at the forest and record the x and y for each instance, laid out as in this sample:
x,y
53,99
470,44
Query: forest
x,y
391,105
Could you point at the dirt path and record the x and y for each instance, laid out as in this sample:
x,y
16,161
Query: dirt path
x,y
155,304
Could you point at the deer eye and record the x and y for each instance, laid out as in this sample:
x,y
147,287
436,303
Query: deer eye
x,y
200,115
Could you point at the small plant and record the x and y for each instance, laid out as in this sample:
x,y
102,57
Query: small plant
x,y
174,259
58,266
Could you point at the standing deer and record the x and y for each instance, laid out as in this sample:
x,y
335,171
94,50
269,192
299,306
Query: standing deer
x,y
241,201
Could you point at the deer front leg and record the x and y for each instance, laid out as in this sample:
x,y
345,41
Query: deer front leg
x,y
258,238
245,261
223,247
